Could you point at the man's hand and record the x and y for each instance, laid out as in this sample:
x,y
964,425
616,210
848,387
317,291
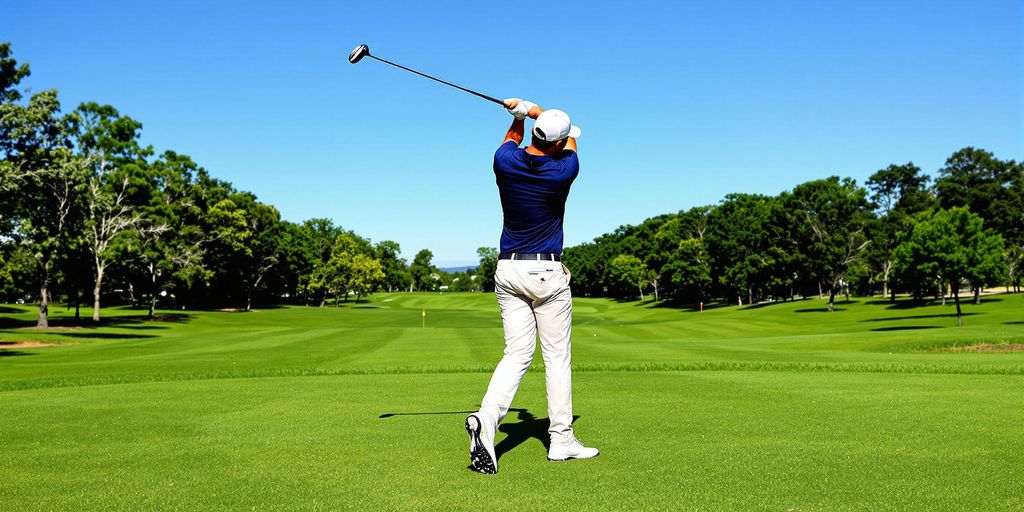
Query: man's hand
x,y
520,109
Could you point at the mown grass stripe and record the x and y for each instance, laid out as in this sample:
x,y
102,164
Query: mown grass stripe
x,y
697,366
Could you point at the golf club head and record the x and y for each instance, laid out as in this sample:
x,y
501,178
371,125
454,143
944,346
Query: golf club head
x,y
358,53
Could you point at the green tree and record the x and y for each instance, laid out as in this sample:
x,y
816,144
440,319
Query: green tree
x,y
835,215
168,243
488,265
689,268
365,275
629,270
975,178
952,246
740,245
396,274
424,274
109,146
899,192
49,181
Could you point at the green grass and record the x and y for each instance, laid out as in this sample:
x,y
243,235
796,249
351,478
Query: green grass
x,y
775,407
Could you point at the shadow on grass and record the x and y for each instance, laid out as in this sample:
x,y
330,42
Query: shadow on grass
x,y
393,414
529,427
918,317
818,310
911,303
760,305
14,353
1013,323
906,328
107,335
8,309
119,322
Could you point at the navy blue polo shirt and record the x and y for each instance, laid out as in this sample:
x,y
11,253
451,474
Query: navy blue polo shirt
x,y
533,190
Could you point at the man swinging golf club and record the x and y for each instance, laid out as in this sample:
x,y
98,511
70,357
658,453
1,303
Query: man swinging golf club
x,y
531,283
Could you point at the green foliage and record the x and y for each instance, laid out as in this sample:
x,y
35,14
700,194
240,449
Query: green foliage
x,y
488,265
628,271
950,247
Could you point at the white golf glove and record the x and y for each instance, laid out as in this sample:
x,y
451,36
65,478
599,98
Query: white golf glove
x,y
521,110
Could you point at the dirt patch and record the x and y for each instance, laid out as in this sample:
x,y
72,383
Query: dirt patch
x,y
230,310
27,344
987,347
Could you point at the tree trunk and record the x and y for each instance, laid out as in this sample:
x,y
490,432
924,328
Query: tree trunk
x,y
750,294
832,298
956,299
739,299
977,295
96,293
641,293
154,293
44,306
820,293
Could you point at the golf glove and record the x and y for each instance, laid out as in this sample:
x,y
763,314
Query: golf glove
x,y
521,110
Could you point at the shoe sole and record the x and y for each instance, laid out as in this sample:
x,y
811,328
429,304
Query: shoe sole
x,y
572,458
479,459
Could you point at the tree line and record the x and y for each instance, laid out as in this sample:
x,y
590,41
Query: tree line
x,y
87,214
902,233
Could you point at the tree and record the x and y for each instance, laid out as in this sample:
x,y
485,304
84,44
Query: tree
x,y
109,144
396,275
834,214
264,245
50,179
976,179
366,273
168,242
423,272
952,246
740,244
488,265
11,75
898,192
688,268
629,270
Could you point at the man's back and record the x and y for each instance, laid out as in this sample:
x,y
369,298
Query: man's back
x,y
533,191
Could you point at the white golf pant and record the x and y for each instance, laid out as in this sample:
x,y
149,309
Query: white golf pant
x,y
534,298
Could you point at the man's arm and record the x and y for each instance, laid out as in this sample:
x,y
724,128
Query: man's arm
x,y
516,132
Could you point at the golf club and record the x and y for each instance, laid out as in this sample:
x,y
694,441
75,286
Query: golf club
x,y
364,51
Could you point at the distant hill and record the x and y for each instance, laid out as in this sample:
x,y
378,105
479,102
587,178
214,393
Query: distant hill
x,y
452,270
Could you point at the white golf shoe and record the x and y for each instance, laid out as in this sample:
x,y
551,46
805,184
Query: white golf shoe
x,y
481,445
574,450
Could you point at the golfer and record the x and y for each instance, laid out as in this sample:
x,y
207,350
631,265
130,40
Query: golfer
x,y
531,282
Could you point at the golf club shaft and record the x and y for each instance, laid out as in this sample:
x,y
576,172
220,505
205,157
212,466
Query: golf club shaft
x,y
484,96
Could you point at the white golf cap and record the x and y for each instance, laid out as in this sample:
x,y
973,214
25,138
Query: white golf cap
x,y
552,125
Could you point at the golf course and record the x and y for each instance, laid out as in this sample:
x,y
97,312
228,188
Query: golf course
x,y
878,405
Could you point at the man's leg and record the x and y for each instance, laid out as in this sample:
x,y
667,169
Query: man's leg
x,y
520,342
554,321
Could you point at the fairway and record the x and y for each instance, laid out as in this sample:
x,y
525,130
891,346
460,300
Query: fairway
x,y
771,407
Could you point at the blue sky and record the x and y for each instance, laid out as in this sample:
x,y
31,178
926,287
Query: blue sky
x,y
680,102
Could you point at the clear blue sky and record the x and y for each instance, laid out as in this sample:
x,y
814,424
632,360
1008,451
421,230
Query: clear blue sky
x,y
681,102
